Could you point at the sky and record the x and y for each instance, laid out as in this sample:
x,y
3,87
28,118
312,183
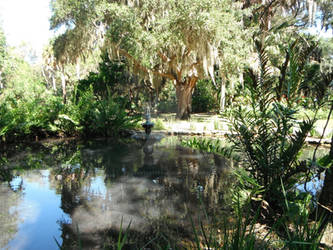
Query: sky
x,y
26,20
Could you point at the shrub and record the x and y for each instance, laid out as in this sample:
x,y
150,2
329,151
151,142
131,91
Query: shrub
x,y
105,117
40,113
28,113
167,99
158,124
113,76
203,99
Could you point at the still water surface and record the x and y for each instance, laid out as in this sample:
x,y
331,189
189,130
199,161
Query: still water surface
x,y
94,186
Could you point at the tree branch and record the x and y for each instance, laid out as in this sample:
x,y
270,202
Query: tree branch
x,y
163,57
143,68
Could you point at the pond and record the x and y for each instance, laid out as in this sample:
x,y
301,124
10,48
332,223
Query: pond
x,y
84,192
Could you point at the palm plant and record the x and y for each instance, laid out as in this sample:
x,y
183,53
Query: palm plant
x,y
266,130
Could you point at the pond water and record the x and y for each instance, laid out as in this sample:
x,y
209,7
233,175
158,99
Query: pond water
x,y
84,191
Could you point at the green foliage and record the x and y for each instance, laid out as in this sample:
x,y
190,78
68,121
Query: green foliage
x,y
242,234
113,77
325,161
209,145
5,173
266,133
158,124
122,238
28,109
28,113
314,133
26,105
3,51
320,114
300,232
167,99
204,99
180,41
98,116
238,233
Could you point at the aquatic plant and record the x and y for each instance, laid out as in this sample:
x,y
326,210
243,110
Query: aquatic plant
x,y
210,145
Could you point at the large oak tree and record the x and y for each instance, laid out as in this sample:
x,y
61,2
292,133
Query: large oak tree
x,y
177,40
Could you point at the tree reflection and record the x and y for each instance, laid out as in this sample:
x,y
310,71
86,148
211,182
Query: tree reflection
x,y
101,183
148,190
9,200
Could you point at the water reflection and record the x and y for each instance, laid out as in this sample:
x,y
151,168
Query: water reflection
x,y
93,187
34,212
8,214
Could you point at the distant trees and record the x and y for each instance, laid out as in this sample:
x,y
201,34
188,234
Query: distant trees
x,y
63,77
176,40
326,13
113,78
182,41
306,12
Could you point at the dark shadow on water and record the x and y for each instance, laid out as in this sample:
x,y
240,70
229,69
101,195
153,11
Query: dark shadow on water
x,y
92,187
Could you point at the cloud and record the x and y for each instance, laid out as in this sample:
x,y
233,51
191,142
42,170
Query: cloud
x,y
134,200
29,211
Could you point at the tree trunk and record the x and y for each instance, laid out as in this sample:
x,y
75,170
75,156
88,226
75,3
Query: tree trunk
x,y
54,86
326,196
222,99
63,85
184,91
325,208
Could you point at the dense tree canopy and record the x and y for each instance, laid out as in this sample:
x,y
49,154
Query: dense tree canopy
x,y
176,40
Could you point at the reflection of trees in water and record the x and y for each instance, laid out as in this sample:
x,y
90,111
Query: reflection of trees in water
x,y
149,190
156,190
9,201
181,176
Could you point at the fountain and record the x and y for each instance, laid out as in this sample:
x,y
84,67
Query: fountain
x,y
147,137
148,125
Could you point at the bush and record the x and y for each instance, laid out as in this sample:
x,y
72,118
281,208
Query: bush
x,y
102,117
25,114
113,76
40,113
167,99
203,99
